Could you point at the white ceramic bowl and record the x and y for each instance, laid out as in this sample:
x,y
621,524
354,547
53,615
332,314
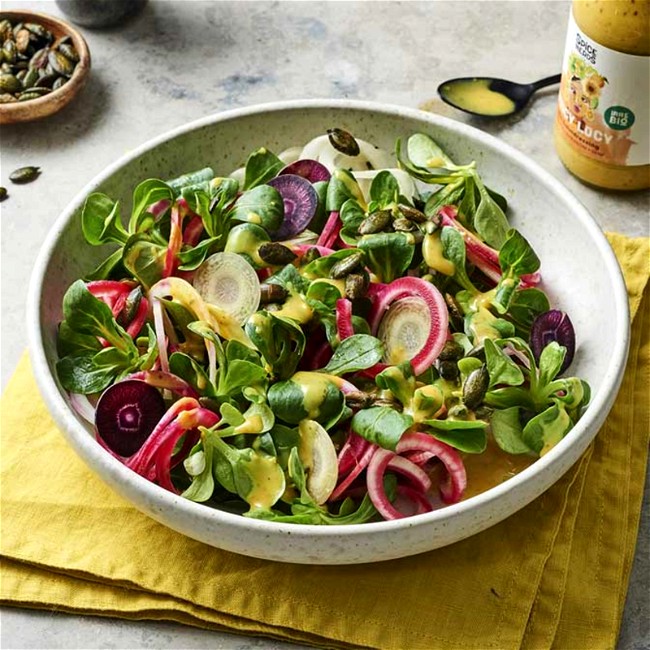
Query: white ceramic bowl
x,y
580,273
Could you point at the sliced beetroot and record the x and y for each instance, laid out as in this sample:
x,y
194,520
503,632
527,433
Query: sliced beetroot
x,y
553,325
300,203
311,170
127,413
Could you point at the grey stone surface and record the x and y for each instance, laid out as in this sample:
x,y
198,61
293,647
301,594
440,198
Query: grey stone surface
x,y
177,61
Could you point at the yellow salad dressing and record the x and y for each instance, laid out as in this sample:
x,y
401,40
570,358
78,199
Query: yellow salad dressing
x,y
475,95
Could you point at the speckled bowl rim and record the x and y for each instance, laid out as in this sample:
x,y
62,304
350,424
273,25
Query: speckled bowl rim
x,y
545,471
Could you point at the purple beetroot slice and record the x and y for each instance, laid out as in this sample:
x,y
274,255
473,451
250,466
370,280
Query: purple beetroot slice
x,y
311,170
553,325
300,203
127,413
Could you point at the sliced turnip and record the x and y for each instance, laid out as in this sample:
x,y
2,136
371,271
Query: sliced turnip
x,y
126,414
300,204
318,455
410,317
553,325
229,282
311,170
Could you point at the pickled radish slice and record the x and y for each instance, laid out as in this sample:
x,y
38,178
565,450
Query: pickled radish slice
x,y
229,282
410,317
311,170
126,414
404,329
300,203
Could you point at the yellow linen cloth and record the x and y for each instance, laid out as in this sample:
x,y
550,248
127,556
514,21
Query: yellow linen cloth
x,y
554,575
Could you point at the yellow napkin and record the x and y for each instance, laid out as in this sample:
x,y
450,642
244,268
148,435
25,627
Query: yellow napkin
x,y
554,575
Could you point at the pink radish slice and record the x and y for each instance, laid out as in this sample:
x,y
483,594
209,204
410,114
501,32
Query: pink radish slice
x,y
479,253
411,471
418,498
141,460
300,203
375,483
344,318
341,489
311,170
159,207
330,231
127,413
192,232
353,448
422,297
453,488
134,327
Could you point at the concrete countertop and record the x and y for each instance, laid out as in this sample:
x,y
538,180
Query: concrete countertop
x,y
177,61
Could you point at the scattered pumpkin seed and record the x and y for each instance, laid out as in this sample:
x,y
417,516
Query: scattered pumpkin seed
x,y
412,214
374,222
356,285
3,193
451,351
39,30
448,370
272,293
347,265
24,174
475,387
276,254
344,142
402,224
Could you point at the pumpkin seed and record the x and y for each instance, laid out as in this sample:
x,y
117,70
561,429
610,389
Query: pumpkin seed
x,y
9,51
458,412
310,255
404,225
7,98
475,387
343,141
448,370
30,78
451,351
131,306
347,265
22,40
272,293
60,63
38,30
374,222
3,193
356,285
48,80
412,214
69,52
27,95
39,59
9,83
39,91
276,254
5,30
24,174
15,29
58,83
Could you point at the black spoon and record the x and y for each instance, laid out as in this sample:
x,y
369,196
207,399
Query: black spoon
x,y
490,97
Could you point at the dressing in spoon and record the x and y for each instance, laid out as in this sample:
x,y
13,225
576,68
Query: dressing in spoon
x,y
489,97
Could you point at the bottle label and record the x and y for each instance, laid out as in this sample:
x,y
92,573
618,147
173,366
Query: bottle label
x,y
603,106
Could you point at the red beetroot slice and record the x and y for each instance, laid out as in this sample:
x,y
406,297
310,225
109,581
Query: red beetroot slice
x,y
311,170
127,413
300,203
553,325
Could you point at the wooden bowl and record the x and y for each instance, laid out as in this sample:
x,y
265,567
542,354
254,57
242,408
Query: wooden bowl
x,y
35,109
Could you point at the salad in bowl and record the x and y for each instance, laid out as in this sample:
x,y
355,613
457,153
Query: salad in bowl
x,y
332,334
